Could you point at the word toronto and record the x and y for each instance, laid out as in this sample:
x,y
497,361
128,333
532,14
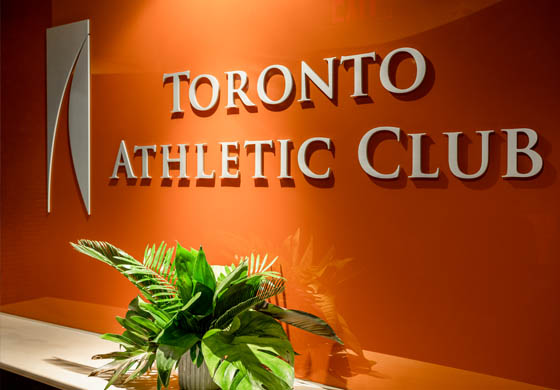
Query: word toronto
x,y
230,151
307,73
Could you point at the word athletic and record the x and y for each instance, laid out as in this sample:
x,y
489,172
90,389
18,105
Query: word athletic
x,y
230,152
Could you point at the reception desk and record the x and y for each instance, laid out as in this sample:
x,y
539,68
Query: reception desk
x,y
60,356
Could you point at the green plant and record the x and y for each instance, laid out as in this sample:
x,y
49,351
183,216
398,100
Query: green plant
x,y
225,321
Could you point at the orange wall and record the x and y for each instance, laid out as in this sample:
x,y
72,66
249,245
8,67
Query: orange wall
x,y
459,273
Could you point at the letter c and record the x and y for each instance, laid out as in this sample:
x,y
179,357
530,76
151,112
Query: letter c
x,y
363,153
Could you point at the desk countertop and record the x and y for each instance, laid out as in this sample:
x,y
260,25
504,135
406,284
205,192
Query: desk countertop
x,y
61,356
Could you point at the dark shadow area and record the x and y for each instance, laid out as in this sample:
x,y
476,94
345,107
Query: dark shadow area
x,y
146,181
394,184
70,366
334,100
440,183
288,102
177,115
307,104
206,182
11,381
230,182
287,182
261,182
320,183
363,99
400,181
366,62
423,88
166,182
235,110
184,182
343,365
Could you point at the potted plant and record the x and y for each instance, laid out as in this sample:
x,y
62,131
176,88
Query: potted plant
x,y
220,331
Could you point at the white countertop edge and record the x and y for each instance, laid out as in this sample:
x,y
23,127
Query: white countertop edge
x,y
39,322
65,386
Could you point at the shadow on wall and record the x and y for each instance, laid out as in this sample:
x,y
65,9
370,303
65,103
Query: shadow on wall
x,y
312,284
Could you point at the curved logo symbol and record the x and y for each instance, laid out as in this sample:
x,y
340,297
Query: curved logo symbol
x,y
68,58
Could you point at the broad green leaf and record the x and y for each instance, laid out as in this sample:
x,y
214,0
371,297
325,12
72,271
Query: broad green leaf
x,y
200,358
238,273
257,354
235,325
191,301
193,353
185,320
202,272
192,323
203,305
299,319
175,336
184,265
247,297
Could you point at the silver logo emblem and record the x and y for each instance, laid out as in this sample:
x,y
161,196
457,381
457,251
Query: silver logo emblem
x,y
68,57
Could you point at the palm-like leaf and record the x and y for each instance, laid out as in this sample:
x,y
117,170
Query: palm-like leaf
x,y
138,342
155,278
258,265
255,266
